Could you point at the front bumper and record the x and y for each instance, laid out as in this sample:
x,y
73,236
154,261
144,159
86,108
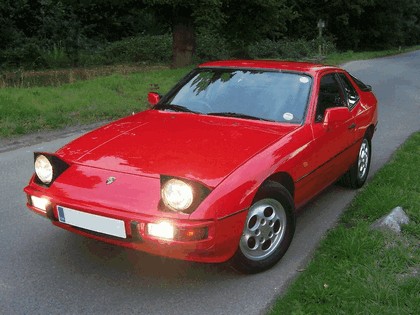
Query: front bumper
x,y
217,244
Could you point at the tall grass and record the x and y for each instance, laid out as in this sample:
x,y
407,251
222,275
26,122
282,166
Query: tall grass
x,y
23,79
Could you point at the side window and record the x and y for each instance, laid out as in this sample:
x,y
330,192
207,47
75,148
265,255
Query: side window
x,y
352,96
360,84
330,95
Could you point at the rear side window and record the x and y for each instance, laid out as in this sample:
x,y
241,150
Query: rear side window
x,y
361,85
352,96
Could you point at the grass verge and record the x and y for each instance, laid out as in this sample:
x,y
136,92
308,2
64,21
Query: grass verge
x,y
342,57
357,270
26,110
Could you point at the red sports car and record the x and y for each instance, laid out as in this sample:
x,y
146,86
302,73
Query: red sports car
x,y
215,169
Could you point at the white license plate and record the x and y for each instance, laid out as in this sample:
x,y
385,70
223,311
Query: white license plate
x,y
92,222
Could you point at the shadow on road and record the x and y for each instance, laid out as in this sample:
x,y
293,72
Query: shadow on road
x,y
87,256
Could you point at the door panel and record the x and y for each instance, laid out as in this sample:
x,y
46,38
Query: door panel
x,y
333,134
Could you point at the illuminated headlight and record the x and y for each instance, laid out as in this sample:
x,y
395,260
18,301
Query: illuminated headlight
x,y
43,169
177,195
161,230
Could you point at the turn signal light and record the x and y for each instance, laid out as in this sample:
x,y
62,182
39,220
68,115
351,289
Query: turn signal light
x,y
192,234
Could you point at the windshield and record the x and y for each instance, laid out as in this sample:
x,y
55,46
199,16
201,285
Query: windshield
x,y
249,94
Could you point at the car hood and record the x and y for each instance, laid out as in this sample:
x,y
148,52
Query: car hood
x,y
152,143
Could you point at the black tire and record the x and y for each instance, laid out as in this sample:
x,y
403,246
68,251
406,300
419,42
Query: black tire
x,y
268,230
356,176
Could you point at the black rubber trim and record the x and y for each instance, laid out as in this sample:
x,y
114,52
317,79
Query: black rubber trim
x,y
135,234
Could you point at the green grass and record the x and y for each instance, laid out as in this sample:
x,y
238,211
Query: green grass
x,y
25,110
342,57
357,270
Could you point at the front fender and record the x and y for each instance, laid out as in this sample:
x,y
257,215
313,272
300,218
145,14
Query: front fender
x,y
237,191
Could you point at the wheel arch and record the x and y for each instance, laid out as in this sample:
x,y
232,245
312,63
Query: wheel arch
x,y
370,131
283,179
271,193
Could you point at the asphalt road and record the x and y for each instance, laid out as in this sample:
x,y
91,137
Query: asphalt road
x,y
46,270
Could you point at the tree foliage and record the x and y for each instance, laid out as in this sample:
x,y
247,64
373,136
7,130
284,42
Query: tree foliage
x,y
34,31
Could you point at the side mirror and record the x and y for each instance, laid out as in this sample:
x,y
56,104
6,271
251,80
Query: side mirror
x,y
336,115
153,98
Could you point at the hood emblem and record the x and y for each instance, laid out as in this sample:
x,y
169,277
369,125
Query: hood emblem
x,y
110,180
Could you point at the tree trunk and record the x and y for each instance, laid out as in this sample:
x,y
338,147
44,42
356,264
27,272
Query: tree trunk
x,y
183,45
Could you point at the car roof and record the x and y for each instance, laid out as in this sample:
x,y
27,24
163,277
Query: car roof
x,y
269,64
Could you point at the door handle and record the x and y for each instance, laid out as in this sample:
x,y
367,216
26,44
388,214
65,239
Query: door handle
x,y
352,126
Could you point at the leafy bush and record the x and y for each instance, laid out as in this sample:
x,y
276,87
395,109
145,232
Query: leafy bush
x,y
152,48
30,54
265,49
288,49
56,57
27,53
211,46
298,49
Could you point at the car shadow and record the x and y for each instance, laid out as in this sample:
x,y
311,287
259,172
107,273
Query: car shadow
x,y
89,256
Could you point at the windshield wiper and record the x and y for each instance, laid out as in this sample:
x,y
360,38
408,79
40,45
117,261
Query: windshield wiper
x,y
237,115
174,107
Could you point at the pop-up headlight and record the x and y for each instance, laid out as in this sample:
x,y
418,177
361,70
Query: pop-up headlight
x,y
177,194
47,168
43,169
